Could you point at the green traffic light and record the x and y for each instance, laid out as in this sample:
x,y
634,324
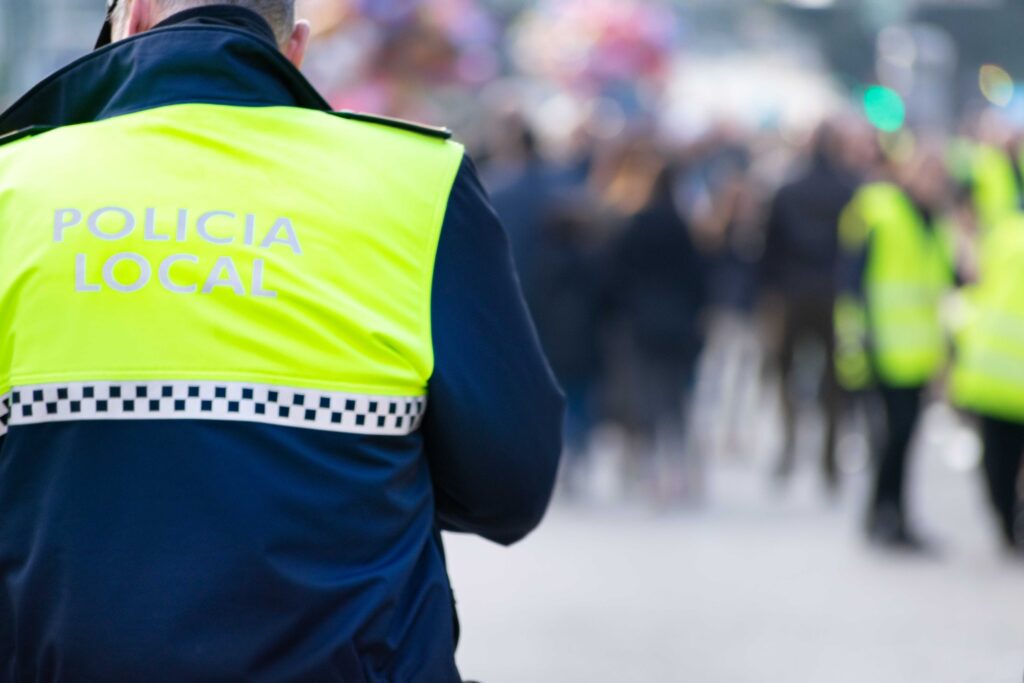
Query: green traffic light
x,y
884,108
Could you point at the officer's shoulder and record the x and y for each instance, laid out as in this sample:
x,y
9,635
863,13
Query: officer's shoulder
x,y
436,132
22,133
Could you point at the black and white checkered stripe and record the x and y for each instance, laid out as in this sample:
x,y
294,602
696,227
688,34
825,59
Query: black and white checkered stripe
x,y
231,401
5,412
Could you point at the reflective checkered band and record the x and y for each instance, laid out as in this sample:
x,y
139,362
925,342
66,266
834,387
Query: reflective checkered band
x,y
236,402
5,412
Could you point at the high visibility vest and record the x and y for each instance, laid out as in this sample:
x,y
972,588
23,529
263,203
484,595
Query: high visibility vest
x,y
996,190
988,376
290,287
908,271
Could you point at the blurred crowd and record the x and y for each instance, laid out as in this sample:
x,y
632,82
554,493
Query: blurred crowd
x,y
718,246
680,288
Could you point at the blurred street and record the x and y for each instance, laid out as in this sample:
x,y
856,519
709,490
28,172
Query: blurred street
x,y
754,587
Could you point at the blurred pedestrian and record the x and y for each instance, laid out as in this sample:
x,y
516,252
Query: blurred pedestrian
x,y
800,274
656,281
995,160
522,187
568,316
988,379
895,269
725,202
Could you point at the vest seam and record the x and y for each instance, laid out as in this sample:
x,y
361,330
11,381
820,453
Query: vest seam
x,y
437,226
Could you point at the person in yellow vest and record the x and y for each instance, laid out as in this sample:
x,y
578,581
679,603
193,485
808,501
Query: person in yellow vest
x,y
997,183
894,271
988,377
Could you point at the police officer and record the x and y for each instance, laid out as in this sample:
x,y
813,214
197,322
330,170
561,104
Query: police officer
x,y
895,267
253,357
987,377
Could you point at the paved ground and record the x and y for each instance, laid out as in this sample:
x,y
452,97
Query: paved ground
x,y
754,587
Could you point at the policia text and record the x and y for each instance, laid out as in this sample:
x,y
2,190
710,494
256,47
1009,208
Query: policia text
x,y
177,273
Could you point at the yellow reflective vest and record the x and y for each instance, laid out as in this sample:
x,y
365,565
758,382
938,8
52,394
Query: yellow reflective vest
x,y
316,276
988,376
996,190
907,272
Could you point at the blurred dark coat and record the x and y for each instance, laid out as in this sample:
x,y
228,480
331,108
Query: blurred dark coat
x,y
567,309
802,244
656,281
522,198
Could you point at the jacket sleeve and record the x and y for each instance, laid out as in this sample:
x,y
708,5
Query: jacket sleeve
x,y
493,430
772,261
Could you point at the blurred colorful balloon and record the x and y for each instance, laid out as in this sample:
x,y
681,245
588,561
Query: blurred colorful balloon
x,y
593,42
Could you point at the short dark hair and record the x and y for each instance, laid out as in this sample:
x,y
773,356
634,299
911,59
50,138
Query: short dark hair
x,y
280,14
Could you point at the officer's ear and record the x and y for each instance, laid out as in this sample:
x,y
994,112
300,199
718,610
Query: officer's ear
x,y
295,48
141,16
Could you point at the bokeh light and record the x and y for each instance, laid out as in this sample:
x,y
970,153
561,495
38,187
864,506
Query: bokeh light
x,y
996,85
884,108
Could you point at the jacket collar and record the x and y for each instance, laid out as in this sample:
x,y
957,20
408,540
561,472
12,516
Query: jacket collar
x,y
214,55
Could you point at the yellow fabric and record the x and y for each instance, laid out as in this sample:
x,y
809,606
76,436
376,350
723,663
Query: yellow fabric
x,y
995,185
907,273
989,374
853,366
306,257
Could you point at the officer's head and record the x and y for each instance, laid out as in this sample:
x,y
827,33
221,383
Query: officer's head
x,y
129,17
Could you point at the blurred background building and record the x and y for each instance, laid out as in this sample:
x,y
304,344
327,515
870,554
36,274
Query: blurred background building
x,y
779,54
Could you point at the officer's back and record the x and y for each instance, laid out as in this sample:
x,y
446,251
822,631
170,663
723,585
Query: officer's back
x,y
253,356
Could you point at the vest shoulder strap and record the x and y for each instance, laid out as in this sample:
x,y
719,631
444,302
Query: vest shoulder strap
x,y
22,133
411,126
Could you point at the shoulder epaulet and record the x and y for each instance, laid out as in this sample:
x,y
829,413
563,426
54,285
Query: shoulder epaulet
x,y
21,133
431,131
